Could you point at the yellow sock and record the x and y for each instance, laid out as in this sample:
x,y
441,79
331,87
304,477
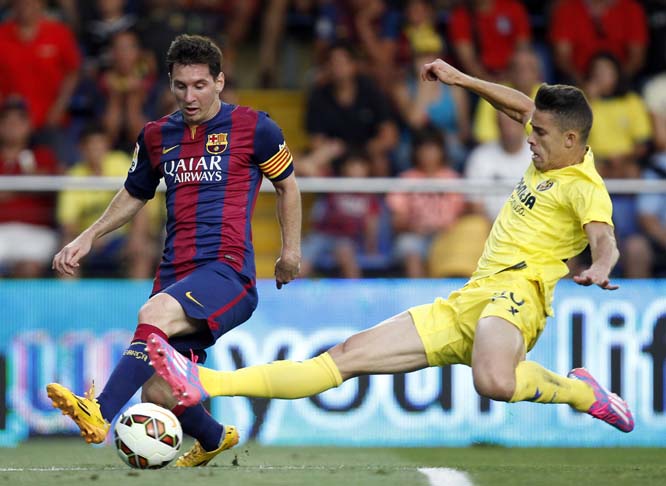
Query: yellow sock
x,y
534,383
280,379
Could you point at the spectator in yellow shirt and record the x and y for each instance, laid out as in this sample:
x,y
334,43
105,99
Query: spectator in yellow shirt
x,y
525,74
124,252
622,126
619,139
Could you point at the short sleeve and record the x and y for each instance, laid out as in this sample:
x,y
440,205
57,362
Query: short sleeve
x,y
523,29
460,26
641,125
638,25
142,179
68,204
390,25
485,123
70,54
650,203
270,149
314,121
591,202
560,26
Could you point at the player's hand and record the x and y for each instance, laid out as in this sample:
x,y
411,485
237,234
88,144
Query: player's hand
x,y
286,269
442,71
67,260
593,276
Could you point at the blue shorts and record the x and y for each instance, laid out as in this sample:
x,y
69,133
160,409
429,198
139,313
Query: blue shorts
x,y
217,295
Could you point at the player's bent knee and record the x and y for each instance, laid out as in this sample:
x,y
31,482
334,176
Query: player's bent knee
x,y
159,310
494,386
347,359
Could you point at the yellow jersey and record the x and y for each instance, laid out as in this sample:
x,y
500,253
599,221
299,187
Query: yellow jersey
x,y
541,224
82,208
619,125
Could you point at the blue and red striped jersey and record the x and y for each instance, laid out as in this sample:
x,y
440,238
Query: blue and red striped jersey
x,y
212,175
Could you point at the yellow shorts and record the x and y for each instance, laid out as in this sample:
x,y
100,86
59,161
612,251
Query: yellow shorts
x,y
447,326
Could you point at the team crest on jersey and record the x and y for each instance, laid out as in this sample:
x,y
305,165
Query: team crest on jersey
x,y
545,185
216,143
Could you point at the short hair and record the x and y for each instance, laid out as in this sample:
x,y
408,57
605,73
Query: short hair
x,y
568,105
622,84
92,129
341,45
14,103
194,49
429,134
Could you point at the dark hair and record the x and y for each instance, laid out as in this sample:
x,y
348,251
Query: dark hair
x,y
91,129
194,49
622,83
426,135
342,45
568,105
14,103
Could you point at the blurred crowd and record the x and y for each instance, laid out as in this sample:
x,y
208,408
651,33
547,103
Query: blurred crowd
x,y
79,78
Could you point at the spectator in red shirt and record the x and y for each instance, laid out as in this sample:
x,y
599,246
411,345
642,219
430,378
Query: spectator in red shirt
x,y
27,236
580,29
485,34
40,62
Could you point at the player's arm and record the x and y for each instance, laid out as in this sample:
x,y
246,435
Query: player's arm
x,y
604,256
289,216
120,210
517,105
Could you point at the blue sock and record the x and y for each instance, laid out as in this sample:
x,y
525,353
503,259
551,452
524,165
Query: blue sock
x,y
198,423
131,372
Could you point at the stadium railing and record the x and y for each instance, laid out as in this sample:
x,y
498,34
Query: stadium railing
x,y
328,184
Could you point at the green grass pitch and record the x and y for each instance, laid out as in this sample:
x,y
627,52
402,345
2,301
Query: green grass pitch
x,y
69,461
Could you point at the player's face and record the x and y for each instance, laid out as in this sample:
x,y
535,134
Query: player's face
x,y
547,142
196,92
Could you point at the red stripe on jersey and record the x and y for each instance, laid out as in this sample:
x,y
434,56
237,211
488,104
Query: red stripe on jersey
x,y
214,326
152,139
186,198
234,223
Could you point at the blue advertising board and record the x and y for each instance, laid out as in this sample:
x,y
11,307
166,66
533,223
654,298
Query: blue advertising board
x,y
74,331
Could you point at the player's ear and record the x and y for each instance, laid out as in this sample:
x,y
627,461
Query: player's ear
x,y
219,83
570,139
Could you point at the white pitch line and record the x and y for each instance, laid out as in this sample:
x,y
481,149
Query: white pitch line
x,y
57,469
444,476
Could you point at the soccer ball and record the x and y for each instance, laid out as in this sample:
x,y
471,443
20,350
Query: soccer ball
x,y
147,436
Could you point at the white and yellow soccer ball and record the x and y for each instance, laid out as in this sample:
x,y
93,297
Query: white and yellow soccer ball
x,y
147,436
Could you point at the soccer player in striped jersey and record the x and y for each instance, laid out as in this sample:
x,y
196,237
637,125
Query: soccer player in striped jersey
x,y
557,208
212,157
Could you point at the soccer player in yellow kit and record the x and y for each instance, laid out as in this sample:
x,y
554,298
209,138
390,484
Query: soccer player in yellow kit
x,y
557,208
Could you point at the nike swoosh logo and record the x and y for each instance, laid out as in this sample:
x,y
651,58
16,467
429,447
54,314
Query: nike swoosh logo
x,y
189,296
167,150
82,406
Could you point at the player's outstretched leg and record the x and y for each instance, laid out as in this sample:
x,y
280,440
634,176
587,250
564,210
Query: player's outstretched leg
x,y
608,406
198,456
280,379
84,411
180,373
